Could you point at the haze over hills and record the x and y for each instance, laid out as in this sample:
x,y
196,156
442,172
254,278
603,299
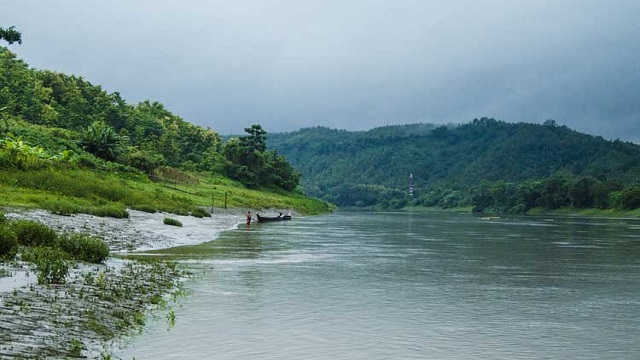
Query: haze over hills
x,y
336,163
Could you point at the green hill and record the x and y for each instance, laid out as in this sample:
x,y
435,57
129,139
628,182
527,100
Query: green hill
x,y
486,163
68,146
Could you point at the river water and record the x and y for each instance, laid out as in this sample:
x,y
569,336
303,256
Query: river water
x,y
370,285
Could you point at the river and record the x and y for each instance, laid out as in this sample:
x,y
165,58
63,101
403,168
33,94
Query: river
x,y
374,285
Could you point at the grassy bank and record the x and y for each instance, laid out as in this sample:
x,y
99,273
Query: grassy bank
x,y
110,193
539,211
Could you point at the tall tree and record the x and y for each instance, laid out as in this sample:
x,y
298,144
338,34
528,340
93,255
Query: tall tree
x,y
256,140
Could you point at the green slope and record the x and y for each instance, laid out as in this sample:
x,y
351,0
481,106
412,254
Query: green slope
x,y
334,162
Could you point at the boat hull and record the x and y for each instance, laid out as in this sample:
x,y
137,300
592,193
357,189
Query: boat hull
x,y
272,218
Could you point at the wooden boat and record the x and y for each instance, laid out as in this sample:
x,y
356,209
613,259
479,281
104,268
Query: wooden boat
x,y
273,218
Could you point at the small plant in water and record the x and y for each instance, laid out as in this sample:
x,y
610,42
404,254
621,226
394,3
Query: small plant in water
x,y
76,347
170,221
50,264
171,318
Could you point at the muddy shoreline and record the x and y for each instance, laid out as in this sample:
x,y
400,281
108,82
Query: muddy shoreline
x,y
99,303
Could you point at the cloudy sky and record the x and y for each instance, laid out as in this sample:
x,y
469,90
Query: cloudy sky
x,y
350,64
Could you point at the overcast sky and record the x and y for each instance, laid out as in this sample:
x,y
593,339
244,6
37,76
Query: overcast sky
x,y
350,64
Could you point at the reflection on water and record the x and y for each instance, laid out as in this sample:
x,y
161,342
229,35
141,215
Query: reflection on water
x,y
410,286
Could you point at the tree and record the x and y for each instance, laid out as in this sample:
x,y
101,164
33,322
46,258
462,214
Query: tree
x,y
581,192
256,140
10,35
254,166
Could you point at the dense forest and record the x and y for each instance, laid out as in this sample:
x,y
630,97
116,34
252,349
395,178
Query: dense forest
x,y
486,164
49,118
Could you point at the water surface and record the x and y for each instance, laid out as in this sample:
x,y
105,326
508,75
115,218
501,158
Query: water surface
x,y
363,285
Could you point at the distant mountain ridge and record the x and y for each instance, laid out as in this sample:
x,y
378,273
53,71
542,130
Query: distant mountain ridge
x,y
462,156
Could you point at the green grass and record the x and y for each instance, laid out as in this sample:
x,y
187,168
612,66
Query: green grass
x,y
104,193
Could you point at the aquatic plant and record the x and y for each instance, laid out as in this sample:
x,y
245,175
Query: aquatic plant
x,y
173,222
51,265
76,347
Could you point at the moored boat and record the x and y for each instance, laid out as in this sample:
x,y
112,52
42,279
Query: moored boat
x,y
273,218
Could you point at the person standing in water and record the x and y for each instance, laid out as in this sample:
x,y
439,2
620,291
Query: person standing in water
x,y
248,217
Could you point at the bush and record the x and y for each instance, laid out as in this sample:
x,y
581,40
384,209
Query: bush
x,y
30,233
8,242
3,219
113,211
50,264
84,247
170,221
200,213
145,207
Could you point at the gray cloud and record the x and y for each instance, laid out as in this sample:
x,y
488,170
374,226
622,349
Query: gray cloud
x,y
350,64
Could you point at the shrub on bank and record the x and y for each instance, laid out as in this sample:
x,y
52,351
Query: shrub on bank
x,y
84,247
114,211
145,207
8,242
31,233
173,222
200,213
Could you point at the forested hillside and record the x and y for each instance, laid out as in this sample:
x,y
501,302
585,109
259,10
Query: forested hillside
x,y
486,163
144,136
68,126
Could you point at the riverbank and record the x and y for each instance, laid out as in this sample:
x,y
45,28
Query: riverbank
x,y
570,212
98,304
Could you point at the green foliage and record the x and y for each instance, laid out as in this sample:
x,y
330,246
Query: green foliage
x,y
76,347
84,247
20,155
61,128
68,208
256,140
252,164
629,198
31,233
8,242
200,213
50,264
10,35
523,165
173,222
144,207
144,136
101,140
